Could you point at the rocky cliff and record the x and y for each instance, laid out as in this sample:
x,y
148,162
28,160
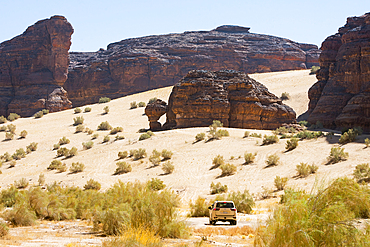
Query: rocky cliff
x,y
341,97
229,96
140,64
34,67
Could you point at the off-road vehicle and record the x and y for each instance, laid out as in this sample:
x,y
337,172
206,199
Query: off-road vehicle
x,y
222,211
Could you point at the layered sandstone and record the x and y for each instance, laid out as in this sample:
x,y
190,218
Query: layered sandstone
x,y
34,67
144,63
229,96
341,97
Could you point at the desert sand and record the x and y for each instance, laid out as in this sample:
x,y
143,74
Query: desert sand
x,y
192,175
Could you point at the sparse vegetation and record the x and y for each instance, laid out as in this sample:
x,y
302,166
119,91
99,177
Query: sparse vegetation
x,y
199,208
116,130
367,142
156,184
166,154
19,154
249,157
77,110
45,111
3,120
285,96
23,134
6,157
272,160
122,155
246,134
291,144
200,137
78,120
31,147
362,172
12,163
91,184
304,123
104,126
41,179
152,100
119,137
218,188
9,136
79,128
349,136
11,128
88,145
3,128
146,135
218,161
54,165
87,109
255,135
227,169
314,69
168,167
267,140
4,230
13,116
122,167
38,114
104,100
106,139
64,140
106,109
62,168
77,167
94,136
88,131
139,154
141,104
306,134
213,130
56,146
280,182
21,183
133,105
337,154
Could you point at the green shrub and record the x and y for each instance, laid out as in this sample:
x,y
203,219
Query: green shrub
x,y
122,167
13,116
31,147
62,168
367,142
106,139
12,163
11,128
62,152
155,160
72,152
243,201
106,109
77,110
313,168
144,136
285,96
155,184
94,136
280,183
218,188
246,134
9,136
348,136
104,126
64,140
91,184
267,140
141,104
38,114
213,130
249,157
217,161
152,100
45,111
56,146
21,184
304,123
104,100
314,70
88,145
3,128
3,120
122,155
78,120
272,160
119,137
20,215
325,218
362,172
166,154
88,131
150,133
116,130
19,154
41,179
23,134
308,134
54,165
199,208
87,109
227,169
6,157
4,230
284,131
77,167
291,144
79,128
139,154
337,154
168,167
200,137
133,105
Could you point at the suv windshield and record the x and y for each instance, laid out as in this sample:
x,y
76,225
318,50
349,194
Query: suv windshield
x,y
224,205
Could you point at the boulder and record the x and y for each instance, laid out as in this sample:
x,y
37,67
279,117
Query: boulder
x,y
340,98
229,96
34,67
154,111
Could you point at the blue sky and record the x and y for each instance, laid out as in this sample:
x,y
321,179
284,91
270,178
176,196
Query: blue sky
x,y
98,23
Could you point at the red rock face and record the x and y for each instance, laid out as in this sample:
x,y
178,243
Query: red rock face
x,y
34,67
228,96
154,111
340,98
145,63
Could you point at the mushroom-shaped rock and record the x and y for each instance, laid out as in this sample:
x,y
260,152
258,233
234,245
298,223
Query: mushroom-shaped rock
x,y
154,111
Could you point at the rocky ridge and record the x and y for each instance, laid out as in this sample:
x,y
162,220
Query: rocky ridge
x,y
229,96
341,96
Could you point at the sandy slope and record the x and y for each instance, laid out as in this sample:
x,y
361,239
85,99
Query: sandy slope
x,y
192,175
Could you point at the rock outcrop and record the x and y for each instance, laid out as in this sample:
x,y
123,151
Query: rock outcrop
x,y
34,67
145,63
341,97
229,96
154,111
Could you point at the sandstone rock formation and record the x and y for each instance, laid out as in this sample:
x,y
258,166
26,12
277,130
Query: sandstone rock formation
x,y
140,64
154,111
229,96
34,67
341,97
